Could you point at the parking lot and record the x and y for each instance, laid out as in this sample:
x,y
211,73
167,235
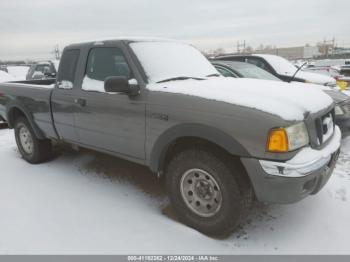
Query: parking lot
x,y
89,203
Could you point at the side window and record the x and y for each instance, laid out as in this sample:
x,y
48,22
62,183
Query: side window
x,y
68,66
259,63
225,72
102,63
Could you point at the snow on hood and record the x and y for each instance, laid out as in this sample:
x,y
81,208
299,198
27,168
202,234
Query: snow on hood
x,y
277,98
337,95
316,78
310,85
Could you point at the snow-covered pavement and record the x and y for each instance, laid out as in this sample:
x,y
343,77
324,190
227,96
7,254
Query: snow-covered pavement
x,y
90,203
19,72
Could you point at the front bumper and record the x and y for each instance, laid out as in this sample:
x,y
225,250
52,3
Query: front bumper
x,y
291,181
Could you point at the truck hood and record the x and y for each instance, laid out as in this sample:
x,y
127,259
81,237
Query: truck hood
x,y
335,94
290,102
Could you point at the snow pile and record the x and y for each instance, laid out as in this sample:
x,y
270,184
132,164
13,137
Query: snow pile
x,y
163,60
5,77
19,72
278,98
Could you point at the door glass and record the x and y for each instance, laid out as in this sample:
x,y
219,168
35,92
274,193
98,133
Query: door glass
x,y
104,62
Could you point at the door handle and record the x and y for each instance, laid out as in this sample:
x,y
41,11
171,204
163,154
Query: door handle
x,y
80,101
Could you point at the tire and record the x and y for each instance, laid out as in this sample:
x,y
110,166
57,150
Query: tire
x,y
220,208
32,149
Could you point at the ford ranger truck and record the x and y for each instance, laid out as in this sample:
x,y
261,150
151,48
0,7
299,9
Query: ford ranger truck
x,y
218,142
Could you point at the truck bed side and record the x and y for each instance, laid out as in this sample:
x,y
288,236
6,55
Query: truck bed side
x,y
30,100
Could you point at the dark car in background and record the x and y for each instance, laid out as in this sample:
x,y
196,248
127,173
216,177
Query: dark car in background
x,y
281,68
240,69
41,70
247,70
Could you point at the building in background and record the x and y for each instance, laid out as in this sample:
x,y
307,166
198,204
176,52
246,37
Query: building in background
x,y
293,53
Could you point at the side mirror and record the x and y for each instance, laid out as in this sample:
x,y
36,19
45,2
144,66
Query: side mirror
x,y
121,84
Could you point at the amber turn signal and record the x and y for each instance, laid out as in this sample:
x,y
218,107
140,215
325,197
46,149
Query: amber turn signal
x,y
277,140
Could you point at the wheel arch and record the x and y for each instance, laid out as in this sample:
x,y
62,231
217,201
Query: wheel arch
x,y
192,133
15,111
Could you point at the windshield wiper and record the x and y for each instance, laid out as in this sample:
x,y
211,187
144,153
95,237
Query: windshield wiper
x,y
213,75
179,78
292,78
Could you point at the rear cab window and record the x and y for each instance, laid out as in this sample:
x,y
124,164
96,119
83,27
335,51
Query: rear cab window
x,y
68,67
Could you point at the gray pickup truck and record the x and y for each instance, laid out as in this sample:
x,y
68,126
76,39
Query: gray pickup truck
x,y
219,143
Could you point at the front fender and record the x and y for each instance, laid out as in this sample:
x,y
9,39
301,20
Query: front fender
x,y
211,134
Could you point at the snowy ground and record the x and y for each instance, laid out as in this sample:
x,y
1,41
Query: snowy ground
x,y
15,73
19,72
84,203
5,77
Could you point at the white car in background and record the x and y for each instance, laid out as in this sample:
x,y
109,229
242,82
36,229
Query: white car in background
x,y
340,73
282,68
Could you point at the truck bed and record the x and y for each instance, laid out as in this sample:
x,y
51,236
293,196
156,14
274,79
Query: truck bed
x,y
31,96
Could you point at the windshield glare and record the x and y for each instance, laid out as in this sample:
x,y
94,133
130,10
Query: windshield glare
x,y
166,60
251,71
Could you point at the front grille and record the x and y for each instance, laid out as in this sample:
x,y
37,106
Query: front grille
x,y
325,127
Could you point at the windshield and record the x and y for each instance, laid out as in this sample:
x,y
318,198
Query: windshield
x,y
281,65
252,71
171,60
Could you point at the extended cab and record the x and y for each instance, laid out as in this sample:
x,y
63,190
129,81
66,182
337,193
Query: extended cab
x,y
218,142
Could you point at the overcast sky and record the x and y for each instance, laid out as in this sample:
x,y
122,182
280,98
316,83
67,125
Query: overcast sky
x,y
31,28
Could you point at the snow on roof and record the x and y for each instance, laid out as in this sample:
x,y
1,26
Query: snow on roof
x,y
281,65
126,38
286,100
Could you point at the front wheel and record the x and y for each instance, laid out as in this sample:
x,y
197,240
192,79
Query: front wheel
x,y
32,149
206,192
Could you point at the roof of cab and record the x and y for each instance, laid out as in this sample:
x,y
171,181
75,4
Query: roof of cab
x,y
127,39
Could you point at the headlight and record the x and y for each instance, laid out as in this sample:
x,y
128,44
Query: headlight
x,y
288,139
338,111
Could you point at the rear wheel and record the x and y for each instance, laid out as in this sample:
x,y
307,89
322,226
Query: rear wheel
x,y
206,192
32,149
